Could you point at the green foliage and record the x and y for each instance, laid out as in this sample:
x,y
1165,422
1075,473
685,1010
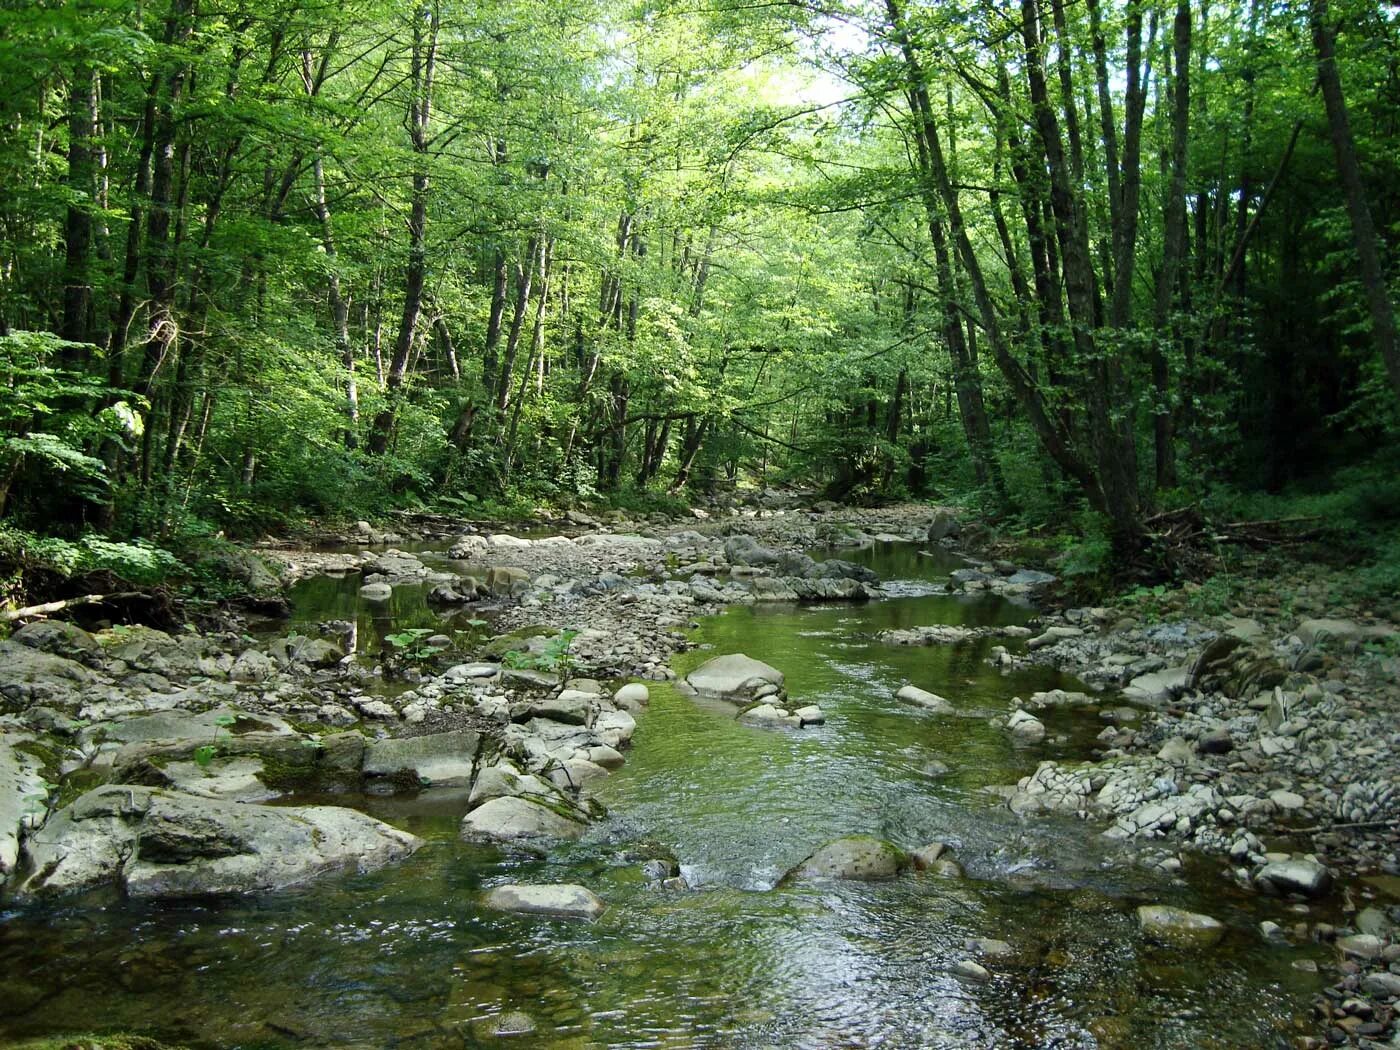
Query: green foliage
x,y
407,644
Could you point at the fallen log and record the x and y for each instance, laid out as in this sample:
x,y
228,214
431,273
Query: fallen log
x,y
44,609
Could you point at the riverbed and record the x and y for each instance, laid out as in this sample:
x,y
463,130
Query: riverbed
x,y
406,957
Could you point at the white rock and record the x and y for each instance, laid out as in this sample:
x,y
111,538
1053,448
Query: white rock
x,y
566,900
931,701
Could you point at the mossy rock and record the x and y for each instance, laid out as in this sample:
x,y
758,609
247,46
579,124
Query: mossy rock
x,y
860,857
516,641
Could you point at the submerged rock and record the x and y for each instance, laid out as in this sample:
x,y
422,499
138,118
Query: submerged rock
x,y
1179,928
156,843
566,900
930,701
860,857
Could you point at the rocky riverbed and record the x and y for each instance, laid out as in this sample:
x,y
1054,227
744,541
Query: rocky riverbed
x,y
161,765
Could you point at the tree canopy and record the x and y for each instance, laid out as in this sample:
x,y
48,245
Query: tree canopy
x,y
272,259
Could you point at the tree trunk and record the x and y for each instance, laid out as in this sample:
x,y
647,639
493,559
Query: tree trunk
x,y
1173,245
1363,230
77,233
423,69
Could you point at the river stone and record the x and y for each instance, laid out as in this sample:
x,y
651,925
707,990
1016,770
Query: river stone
x,y
1025,728
1311,632
1382,985
745,550
614,728
505,780
376,592
439,759
931,701
576,774
569,708
1157,687
925,857
1305,877
733,677
1363,946
1179,928
157,843
513,819
972,971
513,1023
34,677
943,526
1374,921
768,715
565,900
57,637
811,715
608,757
861,857
632,693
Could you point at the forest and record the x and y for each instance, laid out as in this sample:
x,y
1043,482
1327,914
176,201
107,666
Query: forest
x,y
1079,266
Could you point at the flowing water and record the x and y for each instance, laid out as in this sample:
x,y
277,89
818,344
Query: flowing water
x,y
406,957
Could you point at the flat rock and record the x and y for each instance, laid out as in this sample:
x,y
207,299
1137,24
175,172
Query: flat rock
x,y
563,899
438,759
157,843
1305,877
1311,632
514,819
1179,928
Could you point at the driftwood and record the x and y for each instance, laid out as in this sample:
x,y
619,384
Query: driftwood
x,y
1389,822
32,611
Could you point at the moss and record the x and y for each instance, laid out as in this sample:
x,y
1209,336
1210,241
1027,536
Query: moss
x,y
282,773
517,640
116,1041
47,756
78,782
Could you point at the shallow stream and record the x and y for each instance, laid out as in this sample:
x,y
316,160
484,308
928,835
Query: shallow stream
x,y
406,957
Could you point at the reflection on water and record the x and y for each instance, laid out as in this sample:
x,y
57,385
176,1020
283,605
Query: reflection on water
x,y
406,958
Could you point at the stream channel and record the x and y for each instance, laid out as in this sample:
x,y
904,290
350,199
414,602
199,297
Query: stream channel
x,y
406,957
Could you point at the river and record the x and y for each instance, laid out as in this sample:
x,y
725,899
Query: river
x,y
406,957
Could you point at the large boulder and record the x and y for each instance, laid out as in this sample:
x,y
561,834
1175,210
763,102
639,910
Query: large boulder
x,y
57,637
156,843
944,526
564,900
745,550
522,821
860,857
735,677
1179,928
31,676
437,759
